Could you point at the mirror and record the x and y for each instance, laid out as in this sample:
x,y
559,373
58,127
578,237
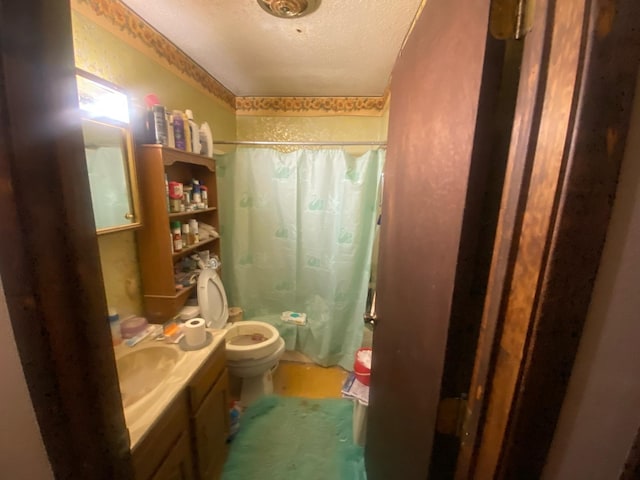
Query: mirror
x,y
108,150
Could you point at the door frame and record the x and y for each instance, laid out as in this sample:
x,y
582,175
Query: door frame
x,y
578,78
50,262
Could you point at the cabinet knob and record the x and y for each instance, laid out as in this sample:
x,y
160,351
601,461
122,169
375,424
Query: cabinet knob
x,y
129,216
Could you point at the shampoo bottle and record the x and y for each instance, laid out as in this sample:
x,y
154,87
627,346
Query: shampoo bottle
x,y
178,130
171,140
156,123
206,140
188,145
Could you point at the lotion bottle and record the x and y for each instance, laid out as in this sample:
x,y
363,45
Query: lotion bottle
x,y
188,146
195,132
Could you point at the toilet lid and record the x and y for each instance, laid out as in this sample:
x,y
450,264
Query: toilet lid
x,y
212,299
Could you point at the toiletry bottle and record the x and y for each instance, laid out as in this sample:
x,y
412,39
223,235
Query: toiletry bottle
x,y
234,419
177,236
171,138
114,324
186,237
186,197
195,132
193,231
188,145
196,194
206,140
204,193
178,130
175,197
157,124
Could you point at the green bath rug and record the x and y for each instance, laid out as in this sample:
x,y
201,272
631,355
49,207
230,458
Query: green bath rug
x,y
288,438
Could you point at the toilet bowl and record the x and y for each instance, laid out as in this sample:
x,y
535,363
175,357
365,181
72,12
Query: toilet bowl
x,y
253,349
256,373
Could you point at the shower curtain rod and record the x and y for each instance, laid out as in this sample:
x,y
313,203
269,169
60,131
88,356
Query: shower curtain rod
x,y
342,144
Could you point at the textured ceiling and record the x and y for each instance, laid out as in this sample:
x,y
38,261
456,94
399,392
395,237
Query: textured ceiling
x,y
345,48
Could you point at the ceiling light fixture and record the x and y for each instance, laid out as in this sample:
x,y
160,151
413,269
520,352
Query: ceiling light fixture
x,y
289,8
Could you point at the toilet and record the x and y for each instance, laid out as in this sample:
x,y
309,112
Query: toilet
x,y
253,348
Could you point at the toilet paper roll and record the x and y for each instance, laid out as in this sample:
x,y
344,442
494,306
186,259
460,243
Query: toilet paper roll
x,y
194,332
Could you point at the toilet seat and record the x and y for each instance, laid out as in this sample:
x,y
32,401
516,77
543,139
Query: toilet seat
x,y
253,367
212,299
253,351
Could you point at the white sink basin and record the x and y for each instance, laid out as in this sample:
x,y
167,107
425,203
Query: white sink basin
x,y
142,370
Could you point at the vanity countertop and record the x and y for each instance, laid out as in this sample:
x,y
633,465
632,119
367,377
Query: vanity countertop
x,y
142,415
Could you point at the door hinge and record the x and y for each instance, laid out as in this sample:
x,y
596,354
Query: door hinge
x,y
451,415
510,19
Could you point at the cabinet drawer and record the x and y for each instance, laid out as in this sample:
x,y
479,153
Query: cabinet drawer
x,y
206,377
151,452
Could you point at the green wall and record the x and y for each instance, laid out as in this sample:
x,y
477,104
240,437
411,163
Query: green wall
x,y
105,55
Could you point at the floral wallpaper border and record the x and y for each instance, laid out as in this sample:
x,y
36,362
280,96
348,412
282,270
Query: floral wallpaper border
x,y
125,20
310,105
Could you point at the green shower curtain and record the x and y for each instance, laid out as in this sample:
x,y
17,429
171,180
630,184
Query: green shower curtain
x,y
297,231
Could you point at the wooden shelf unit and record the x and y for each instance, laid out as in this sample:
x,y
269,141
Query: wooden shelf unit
x,y
162,299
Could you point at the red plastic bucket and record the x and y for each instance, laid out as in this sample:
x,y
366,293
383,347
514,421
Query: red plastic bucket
x,y
361,370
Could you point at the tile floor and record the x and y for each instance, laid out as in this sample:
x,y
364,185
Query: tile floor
x,y
294,379
297,379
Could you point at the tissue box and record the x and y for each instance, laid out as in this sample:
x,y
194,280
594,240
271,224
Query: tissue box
x,y
294,317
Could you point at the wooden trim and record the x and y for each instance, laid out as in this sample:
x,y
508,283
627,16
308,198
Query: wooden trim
x,y
50,263
577,150
593,152
631,469
173,155
526,123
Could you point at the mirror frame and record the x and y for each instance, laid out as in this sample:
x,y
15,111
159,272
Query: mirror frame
x,y
129,149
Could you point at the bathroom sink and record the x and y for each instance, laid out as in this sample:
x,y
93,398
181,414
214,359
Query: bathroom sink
x,y
142,370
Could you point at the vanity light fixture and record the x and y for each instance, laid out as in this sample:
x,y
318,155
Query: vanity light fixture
x,y
289,8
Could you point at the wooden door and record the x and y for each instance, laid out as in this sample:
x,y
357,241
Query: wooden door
x,y
579,66
443,91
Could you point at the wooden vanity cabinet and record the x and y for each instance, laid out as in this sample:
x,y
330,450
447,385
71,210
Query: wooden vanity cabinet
x,y
165,453
189,440
177,465
209,403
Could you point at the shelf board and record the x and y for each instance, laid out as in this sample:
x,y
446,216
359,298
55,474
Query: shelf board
x,y
193,248
173,155
191,212
179,293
